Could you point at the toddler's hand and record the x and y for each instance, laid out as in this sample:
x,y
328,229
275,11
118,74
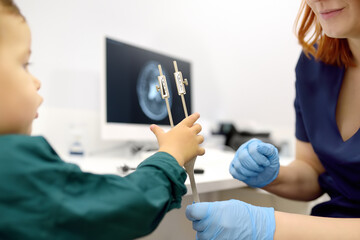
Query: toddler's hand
x,y
182,142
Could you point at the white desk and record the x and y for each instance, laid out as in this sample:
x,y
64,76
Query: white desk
x,y
215,163
215,184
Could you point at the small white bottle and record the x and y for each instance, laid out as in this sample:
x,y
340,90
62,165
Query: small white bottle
x,y
76,146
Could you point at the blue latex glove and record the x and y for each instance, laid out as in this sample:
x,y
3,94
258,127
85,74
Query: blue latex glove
x,y
255,163
232,219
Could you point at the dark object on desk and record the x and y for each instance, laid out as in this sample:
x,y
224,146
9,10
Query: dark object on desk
x,y
235,138
199,171
125,168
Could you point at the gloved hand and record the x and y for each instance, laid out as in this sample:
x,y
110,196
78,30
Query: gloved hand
x,y
232,219
255,163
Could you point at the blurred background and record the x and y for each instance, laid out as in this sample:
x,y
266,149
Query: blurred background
x,y
243,56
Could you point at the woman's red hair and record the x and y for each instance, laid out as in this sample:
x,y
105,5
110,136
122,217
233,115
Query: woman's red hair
x,y
334,51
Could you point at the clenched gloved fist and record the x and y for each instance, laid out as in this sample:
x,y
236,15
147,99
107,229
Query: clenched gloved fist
x,y
256,163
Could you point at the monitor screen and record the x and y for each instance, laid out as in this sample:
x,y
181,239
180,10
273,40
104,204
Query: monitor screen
x,y
130,99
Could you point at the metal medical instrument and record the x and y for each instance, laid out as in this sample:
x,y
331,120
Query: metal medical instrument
x,y
189,166
163,88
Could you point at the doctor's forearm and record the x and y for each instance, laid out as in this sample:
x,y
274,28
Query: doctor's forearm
x,y
295,226
296,181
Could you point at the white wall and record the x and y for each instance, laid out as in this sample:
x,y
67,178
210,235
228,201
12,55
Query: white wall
x,y
243,54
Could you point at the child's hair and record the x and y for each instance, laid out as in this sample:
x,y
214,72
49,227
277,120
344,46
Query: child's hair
x,y
9,7
332,51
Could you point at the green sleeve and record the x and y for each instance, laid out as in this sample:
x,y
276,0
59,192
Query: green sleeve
x,y
112,207
42,197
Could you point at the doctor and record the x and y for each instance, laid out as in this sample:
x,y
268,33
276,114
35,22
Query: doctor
x,y
327,159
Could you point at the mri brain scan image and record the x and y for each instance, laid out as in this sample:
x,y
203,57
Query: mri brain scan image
x,y
150,99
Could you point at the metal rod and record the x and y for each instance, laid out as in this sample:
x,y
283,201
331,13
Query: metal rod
x,y
189,166
169,112
193,185
175,66
184,105
160,69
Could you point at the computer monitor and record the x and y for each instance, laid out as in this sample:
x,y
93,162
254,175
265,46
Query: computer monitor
x,y
130,101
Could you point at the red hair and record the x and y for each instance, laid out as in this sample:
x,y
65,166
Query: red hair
x,y
334,51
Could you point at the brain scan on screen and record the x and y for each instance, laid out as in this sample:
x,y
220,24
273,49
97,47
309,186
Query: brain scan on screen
x,y
150,101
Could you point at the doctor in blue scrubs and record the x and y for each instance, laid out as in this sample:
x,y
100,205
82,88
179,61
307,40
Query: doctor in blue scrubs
x,y
327,158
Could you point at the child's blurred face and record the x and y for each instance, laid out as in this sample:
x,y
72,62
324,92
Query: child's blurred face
x,y
19,99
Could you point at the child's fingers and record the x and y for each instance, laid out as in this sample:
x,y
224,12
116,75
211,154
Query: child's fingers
x,y
190,120
201,151
197,128
200,139
156,130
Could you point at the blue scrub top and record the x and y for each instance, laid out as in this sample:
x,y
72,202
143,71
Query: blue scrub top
x,y
317,91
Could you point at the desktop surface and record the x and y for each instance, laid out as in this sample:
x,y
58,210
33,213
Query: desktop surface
x,y
215,163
